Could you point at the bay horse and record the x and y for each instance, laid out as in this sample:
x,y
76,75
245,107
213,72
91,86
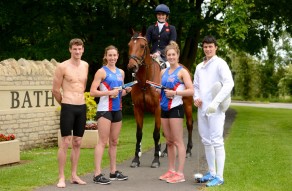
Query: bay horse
x,y
146,98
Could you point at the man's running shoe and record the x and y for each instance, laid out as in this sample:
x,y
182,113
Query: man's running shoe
x,y
215,182
100,179
207,177
117,176
176,178
167,175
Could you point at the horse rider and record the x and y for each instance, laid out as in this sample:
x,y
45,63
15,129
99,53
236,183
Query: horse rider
x,y
160,34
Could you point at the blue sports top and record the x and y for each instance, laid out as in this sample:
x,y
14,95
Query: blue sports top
x,y
112,80
171,81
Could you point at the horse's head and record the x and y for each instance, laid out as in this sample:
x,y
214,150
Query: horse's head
x,y
138,51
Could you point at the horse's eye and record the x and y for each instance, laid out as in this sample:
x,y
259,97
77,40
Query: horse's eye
x,y
142,46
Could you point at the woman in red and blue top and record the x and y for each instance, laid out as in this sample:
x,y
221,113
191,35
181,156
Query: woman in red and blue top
x,y
112,80
178,83
171,81
107,84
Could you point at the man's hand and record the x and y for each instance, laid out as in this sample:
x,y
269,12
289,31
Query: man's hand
x,y
198,102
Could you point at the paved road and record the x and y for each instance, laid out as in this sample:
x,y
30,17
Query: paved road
x,y
145,178
265,105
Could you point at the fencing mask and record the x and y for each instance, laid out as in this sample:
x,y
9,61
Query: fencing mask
x,y
224,105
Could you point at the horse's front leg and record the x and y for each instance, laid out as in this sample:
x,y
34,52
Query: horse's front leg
x,y
138,151
156,137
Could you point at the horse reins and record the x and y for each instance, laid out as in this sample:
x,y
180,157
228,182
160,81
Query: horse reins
x,y
139,60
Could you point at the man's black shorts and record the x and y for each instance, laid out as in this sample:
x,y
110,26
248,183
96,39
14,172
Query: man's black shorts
x,y
73,117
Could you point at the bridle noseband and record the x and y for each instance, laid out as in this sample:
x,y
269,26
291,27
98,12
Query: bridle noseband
x,y
139,60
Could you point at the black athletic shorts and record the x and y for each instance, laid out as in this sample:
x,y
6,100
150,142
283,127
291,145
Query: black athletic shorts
x,y
113,116
176,112
73,117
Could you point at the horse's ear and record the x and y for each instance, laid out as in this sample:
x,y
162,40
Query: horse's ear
x,y
131,31
143,30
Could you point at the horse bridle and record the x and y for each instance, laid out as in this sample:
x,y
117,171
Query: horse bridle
x,y
139,60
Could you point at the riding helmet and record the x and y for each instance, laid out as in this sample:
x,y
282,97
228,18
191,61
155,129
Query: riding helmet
x,y
162,8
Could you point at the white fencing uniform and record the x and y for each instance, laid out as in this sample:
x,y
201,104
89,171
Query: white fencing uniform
x,y
211,125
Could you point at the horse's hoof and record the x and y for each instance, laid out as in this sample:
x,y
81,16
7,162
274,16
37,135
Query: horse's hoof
x,y
188,155
135,164
164,154
155,165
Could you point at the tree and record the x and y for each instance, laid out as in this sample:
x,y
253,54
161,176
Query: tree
x,y
245,73
41,29
285,84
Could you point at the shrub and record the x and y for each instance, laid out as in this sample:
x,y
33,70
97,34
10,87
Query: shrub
x,y
6,138
90,112
90,107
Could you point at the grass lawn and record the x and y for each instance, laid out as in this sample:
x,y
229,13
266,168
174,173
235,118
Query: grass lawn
x,y
39,167
258,154
259,151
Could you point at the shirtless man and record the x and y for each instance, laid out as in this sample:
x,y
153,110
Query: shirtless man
x,y
68,89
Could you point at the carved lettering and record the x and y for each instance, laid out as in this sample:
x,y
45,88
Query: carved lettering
x,y
26,99
14,100
37,93
49,98
29,99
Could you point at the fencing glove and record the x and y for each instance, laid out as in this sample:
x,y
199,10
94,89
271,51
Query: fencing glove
x,y
212,107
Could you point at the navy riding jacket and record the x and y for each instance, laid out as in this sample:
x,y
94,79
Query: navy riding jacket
x,y
159,40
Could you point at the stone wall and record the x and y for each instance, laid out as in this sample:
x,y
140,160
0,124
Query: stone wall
x,y
27,107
